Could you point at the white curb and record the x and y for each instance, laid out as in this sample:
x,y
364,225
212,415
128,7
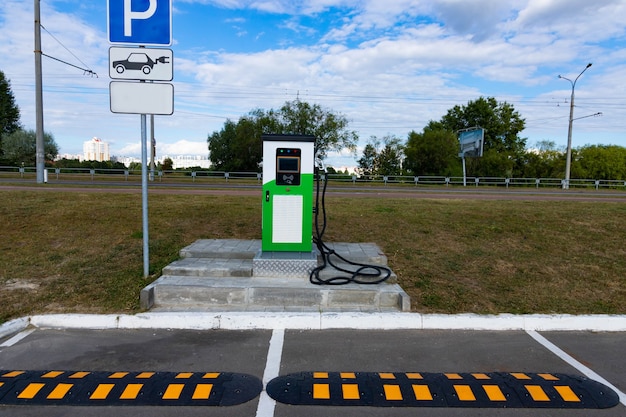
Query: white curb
x,y
319,321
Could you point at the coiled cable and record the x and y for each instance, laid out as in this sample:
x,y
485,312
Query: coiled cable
x,y
364,273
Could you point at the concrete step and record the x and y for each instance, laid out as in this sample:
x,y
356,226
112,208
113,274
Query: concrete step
x,y
210,267
214,267
222,248
232,275
367,253
364,253
185,293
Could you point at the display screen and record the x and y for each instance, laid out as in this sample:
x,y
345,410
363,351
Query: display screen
x,y
288,164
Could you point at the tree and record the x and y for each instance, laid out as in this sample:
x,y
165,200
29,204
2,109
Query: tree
x,y
330,129
544,161
168,165
503,148
9,112
433,152
238,147
599,162
367,163
390,156
382,157
20,147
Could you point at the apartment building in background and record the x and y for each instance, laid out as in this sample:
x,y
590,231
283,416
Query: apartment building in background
x,y
96,150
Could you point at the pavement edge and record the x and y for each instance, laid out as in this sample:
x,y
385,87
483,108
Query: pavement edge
x,y
318,321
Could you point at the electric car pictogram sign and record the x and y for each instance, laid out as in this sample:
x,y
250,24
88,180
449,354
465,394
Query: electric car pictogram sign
x,y
141,64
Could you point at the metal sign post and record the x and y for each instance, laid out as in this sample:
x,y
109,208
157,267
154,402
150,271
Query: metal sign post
x,y
472,144
141,22
144,197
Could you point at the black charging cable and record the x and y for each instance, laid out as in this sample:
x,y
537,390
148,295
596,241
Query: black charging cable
x,y
363,274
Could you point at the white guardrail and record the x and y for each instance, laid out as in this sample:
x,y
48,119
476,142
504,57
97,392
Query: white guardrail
x,y
89,174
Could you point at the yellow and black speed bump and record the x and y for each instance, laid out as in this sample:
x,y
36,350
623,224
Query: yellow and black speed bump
x,y
127,388
414,389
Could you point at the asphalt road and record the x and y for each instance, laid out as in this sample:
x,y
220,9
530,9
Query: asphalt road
x,y
483,193
266,354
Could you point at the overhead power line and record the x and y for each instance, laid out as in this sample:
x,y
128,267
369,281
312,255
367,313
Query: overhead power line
x,y
86,70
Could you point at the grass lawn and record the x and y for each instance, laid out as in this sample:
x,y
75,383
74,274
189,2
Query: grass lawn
x,y
82,252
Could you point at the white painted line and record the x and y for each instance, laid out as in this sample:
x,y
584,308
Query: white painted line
x,y
589,373
17,338
272,369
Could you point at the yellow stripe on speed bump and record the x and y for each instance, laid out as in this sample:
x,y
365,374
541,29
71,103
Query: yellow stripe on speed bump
x,y
421,389
30,391
566,393
537,393
60,391
350,391
202,392
131,391
127,388
494,393
422,393
173,391
12,374
52,374
102,392
392,392
464,393
321,391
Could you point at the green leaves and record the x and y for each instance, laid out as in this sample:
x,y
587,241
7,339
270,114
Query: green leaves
x,y
238,147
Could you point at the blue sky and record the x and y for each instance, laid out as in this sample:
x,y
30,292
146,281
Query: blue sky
x,y
388,66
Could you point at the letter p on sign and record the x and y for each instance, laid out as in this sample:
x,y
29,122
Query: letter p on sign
x,y
130,15
140,22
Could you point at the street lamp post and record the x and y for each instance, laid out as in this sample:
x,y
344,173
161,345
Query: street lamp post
x,y
568,157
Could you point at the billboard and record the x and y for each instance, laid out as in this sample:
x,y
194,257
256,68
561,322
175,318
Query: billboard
x,y
472,142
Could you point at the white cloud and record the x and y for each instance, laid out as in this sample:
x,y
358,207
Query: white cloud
x,y
574,19
180,147
183,147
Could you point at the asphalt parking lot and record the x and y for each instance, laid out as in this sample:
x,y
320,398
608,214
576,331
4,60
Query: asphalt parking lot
x,y
131,368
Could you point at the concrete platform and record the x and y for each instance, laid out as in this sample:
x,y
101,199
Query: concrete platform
x,y
234,275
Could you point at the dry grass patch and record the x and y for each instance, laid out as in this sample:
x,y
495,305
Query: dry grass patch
x,y
82,252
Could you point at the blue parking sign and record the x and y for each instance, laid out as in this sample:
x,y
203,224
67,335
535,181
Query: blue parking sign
x,y
141,22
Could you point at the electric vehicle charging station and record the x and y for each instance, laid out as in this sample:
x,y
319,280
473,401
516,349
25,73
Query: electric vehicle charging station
x,y
287,271
288,163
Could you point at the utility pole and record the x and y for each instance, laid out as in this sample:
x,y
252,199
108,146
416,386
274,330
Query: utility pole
x,y
40,153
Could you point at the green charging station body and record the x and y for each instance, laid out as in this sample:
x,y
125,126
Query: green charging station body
x,y
288,163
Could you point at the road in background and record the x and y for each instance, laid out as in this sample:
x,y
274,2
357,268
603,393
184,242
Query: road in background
x,y
389,191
